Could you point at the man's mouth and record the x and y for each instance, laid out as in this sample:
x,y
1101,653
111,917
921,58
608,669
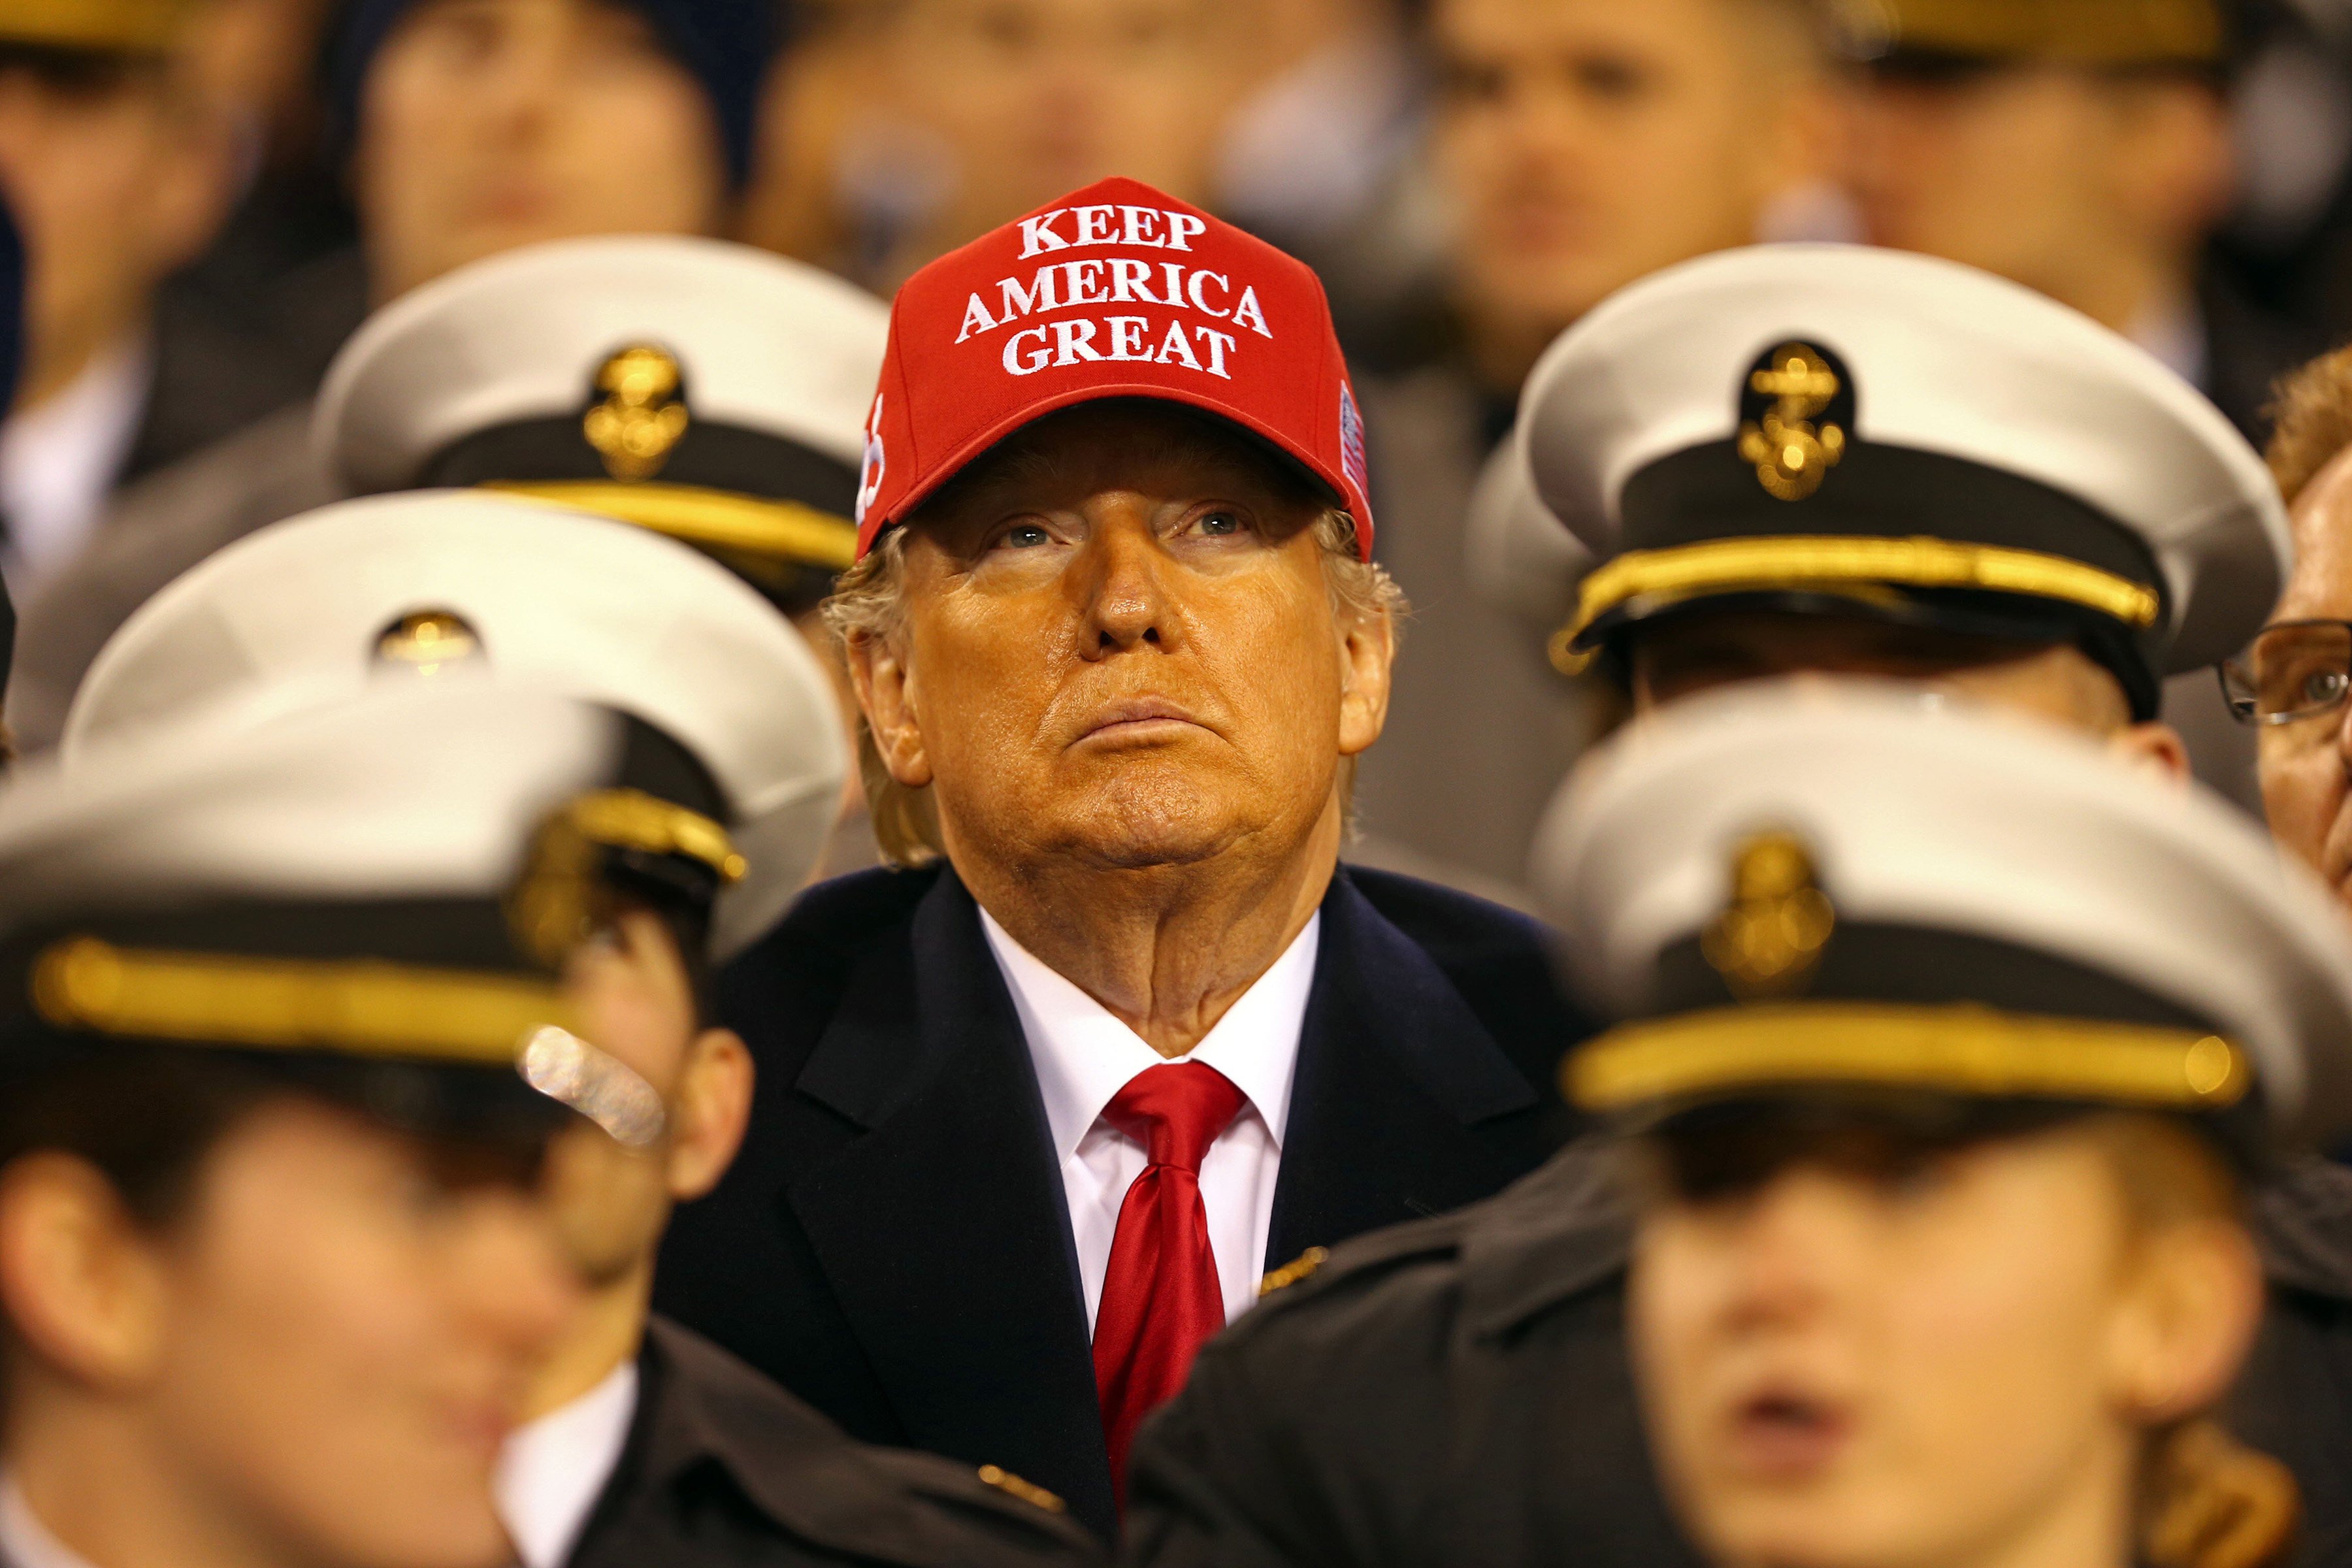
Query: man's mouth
x,y
1137,718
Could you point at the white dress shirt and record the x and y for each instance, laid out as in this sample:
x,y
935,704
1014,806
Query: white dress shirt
x,y
552,1472
61,458
25,1540
1084,1056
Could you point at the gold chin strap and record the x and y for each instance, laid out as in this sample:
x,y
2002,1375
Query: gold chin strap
x,y
1959,1050
1841,562
384,1011
358,1008
715,520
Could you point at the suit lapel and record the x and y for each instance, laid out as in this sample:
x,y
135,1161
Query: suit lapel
x,y
1402,1106
943,1231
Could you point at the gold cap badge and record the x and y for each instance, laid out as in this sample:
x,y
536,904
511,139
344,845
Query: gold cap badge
x,y
1768,940
642,415
1792,455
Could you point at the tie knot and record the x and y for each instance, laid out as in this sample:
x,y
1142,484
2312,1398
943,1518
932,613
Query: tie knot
x,y
1175,1112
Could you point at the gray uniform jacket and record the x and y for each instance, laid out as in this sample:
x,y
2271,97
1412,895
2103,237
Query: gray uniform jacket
x,y
153,529
1456,1391
723,1469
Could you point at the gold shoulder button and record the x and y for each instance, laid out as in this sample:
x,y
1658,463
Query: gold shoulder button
x,y
1292,1272
1036,1496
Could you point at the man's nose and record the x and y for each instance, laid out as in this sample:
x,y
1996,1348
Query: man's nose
x,y
1125,581
1787,1253
512,1279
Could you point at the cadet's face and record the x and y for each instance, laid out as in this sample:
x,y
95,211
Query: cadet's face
x,y
346,1336
1921,1366
2307,766
1035,98
1588,143
115,184
490,124
2048,176
629,991
1698,653
1122,650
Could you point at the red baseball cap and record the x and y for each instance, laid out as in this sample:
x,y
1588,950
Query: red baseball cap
x,y
1113,292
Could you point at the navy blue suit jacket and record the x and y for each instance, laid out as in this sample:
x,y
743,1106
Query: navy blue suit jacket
x,y
893,1244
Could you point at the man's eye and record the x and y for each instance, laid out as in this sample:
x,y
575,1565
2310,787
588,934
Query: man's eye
x,y
1219,524
1025,536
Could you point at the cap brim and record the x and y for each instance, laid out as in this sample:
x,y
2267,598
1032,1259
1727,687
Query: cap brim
x,y
979,445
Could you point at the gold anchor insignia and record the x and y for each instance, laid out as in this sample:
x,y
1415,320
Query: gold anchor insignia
x,y
1769,940
642,416
1791,455
427,642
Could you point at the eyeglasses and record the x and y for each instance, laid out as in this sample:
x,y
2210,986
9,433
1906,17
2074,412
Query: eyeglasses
x,y
2295,670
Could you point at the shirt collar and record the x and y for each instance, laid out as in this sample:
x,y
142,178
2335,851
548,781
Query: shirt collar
x,y
552,1471
1084,1055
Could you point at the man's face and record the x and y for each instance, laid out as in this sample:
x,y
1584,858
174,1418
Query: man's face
x,y
1034,97
490,124
115,180
1588,143
1921,1362
628,989
2307,765
1702,652
2042,174
345,1328
1121,649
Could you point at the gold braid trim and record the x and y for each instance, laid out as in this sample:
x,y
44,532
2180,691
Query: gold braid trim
x,y
357,1007
1839,561
1962,1050
551,906
716,519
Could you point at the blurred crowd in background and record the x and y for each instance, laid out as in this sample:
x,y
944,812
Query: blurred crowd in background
x,y
207,226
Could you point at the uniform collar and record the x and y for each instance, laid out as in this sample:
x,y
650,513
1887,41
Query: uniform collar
x,y
1084,1055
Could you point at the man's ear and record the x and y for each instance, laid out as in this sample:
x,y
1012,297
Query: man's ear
x,y
82,1282
2192,1304
886,691
2154,746
709,1112
1367,657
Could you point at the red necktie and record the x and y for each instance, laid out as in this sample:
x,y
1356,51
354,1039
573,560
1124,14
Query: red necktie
x,y
1160,1297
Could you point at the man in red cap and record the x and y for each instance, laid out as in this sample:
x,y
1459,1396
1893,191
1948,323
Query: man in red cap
x,y
1037,1111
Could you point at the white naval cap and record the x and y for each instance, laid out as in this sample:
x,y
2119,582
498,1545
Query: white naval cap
x,y
705,390
1876,432
1520,559
326,605
359,891
1812,884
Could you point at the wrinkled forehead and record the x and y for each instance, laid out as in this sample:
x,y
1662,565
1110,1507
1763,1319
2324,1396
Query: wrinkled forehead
x,y
1122,444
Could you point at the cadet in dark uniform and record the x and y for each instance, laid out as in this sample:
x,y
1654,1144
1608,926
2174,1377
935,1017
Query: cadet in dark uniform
x,y
276,1271
707,391
645,1443
1952,1043
1836,460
